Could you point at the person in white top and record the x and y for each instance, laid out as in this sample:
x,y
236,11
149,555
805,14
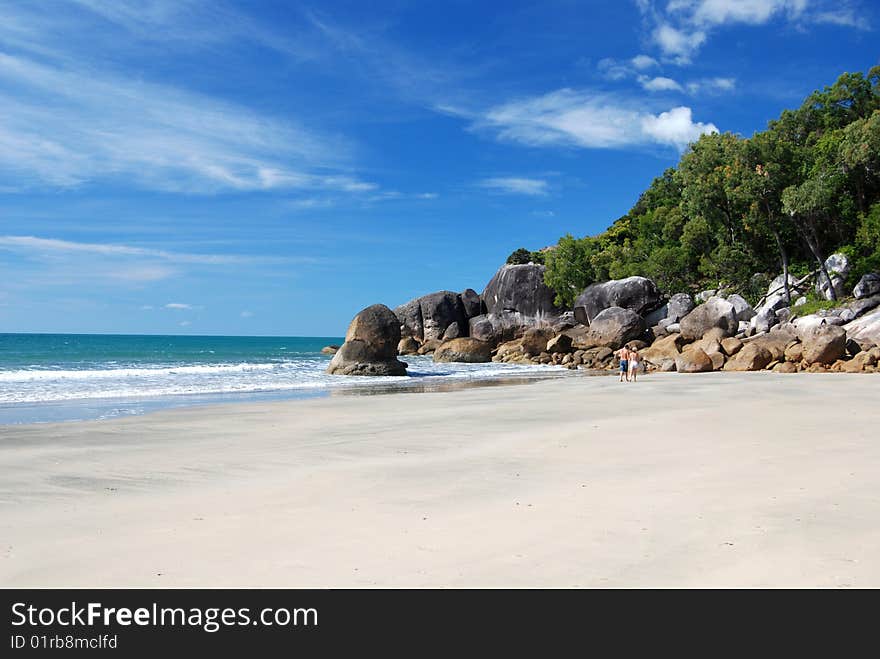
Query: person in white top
x,y
633,362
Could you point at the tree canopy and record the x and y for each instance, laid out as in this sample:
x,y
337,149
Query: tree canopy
x,y
734,207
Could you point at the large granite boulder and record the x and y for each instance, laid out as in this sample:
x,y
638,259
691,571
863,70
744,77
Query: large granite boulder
x,y
838,267
679,306
775,298
752,357
715,312
731,345
535,339
637,294
868,285
501,327
520,289
471,303
615,326
865,330
824,345
663,350
408,346
561,343
658,317
764,320
409,316
775,342
864,305
743,309
464,349
694,361
429,316
370,346
812,321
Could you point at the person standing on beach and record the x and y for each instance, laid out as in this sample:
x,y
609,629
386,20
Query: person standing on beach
x,y
634,363
623,353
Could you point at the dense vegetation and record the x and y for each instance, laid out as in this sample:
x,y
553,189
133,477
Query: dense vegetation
x,y
738,211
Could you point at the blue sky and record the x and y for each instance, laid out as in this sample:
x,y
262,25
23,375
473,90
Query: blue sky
x,y
179,166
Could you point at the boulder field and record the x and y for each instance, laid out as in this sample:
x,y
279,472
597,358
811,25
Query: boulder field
x,y
516,319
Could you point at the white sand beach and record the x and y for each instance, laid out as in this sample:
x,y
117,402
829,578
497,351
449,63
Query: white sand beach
x,y
733,479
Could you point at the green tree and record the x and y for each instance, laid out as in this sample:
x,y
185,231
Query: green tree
x,y
569,270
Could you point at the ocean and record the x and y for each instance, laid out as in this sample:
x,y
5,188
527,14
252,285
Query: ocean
x,y
63,377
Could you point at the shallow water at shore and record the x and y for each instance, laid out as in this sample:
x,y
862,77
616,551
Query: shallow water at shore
x,y
49,378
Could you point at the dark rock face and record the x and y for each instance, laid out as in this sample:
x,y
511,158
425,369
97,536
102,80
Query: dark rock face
x,y
520,289
868,285
560,343
370,346
680,305
637,294
471,303
715,312
464,350
614,327
439,311
500,327
429,316
452,332
535,339
409,316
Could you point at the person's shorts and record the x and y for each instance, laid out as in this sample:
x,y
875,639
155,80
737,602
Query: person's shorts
x,y
623,365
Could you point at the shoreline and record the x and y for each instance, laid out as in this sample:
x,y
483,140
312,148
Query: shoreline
x,y
733,479
123,407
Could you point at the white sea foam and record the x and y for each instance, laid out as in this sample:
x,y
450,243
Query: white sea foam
x,y
112,381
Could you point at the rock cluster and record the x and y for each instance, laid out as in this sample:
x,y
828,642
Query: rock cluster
x,y
370,346
516,320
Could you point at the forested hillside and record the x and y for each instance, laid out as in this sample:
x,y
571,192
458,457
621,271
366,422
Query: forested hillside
x,y
737,211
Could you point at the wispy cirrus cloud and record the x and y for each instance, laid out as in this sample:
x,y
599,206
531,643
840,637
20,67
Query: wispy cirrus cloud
x,y
680,28
659,84
51,246
581,119
48,261
69,120
515,185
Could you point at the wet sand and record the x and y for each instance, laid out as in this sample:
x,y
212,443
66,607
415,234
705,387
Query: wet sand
x,y
724,479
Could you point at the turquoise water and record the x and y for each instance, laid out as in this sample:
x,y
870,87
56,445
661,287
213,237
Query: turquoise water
x,y
53,377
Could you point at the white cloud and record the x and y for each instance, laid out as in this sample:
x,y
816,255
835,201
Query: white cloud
x,y
515,185
178,306
70,119
712,85
675,127
44,262
720,12
185,323
247,314
543,214
579,119
147,307
613,70
659,84
678,44
50,245
643,62
393,195
683,26
842,16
